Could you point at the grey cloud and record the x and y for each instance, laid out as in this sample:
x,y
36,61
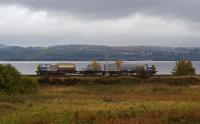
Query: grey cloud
x,y
152,22
117,8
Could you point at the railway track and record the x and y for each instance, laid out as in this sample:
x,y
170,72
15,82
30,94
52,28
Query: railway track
x,y
62,76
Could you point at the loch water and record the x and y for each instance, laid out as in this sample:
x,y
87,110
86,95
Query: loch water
x,y
29,67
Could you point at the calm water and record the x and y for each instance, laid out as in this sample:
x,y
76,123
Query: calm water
x,y
163,67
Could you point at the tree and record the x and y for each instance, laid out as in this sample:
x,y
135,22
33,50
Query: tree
x,y
11,82
183,67
119,64
154,69
95,66
9,78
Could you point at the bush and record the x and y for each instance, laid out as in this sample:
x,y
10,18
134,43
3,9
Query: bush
x,y
71,81
9,78
11,82
44,80
183,67
116,80
60,81
28,85
56,81
174,80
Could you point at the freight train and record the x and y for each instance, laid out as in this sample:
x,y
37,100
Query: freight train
x,y
96,69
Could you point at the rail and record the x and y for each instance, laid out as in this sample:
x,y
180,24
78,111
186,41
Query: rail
x,y
37,76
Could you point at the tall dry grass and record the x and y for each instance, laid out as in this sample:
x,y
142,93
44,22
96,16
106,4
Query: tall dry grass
x,y
105,103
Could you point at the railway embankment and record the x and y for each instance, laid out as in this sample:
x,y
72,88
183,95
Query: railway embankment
x,y
74,80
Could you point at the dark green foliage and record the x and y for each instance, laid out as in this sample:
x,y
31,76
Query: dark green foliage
x,y
183,67
60,81
116,80
44,80
174,80
71,81
11,82
9,78
87,81
171,80
56,81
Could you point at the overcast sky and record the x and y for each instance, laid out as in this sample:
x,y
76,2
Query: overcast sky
x,y
100,22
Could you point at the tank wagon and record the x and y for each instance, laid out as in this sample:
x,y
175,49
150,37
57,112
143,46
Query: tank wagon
x,y
61,68
102,69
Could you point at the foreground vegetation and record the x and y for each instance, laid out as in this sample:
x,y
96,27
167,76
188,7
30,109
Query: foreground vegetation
x,y
12,83
184,67
156,100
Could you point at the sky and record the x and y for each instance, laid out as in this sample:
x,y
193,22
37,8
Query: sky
x,y
174,23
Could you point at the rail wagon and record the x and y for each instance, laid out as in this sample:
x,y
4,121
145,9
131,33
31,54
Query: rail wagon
x,y
61,68
66,68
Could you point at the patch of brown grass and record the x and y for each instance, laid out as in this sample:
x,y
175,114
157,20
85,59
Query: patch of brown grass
x,y
146,103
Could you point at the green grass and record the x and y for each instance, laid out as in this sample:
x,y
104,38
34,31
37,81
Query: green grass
x,y
129,103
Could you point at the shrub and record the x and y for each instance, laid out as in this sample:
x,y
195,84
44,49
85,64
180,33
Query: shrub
x,y
11,82
95,66
101,81
71,81
127,79
60,81
174,80
28,85
56,81
116,80
44,80
183,67
9,79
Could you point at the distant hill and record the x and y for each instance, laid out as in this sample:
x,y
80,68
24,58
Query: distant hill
x,y
2,46
91,52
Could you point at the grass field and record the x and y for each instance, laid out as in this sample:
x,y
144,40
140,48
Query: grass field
x,y
129,103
